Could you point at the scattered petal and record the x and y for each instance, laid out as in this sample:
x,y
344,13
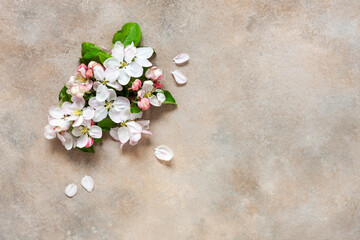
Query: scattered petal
x,y
88,183
181,58
179,77
164,153
71,190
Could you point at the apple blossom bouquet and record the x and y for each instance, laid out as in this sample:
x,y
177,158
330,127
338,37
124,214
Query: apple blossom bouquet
x,y
109,92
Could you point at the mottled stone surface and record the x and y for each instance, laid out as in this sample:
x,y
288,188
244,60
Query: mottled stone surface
x,y
266,135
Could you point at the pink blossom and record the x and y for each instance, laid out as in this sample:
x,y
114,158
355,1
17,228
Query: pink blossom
x,y
157,84
89,73
82,69
144,103
154,73
136,84
90,142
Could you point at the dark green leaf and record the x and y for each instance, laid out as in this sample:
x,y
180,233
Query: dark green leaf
x,y
90,52
134,108
64,96
88,149
97,139
130,32
103,56
169,99
106,124
89,47
124,92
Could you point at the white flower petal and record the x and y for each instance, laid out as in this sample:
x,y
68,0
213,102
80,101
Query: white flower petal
x,y
102,93
88,113
143,62
95,103
130,52
144,52
121,103
112,95
134,70
76,131
181,58
100,114
161,97
116,85
56,122
71,190
123,134
111,63
56,112
67,108
114,133
134,127
154,101
118,51
88,183
68,140
148,86
78,103
95,131
115,115
99,73
78,121
124,78
164,153
49,132
179,77
82,141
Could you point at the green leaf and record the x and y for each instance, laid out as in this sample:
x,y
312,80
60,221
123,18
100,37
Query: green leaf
x,y
88,95
124,92
103,56
97,139
169,99
130,32
88,149
134,108
106,124
90,52
64,96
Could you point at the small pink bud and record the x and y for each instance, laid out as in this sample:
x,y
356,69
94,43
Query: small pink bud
x,y
154,73
91,122
144,103
136,84
89,73
82,69
90,142
157,84
92,64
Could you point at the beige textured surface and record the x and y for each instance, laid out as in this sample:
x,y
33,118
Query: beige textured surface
x,y
266,134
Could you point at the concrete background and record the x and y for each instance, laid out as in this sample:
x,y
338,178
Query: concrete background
x,y
266,135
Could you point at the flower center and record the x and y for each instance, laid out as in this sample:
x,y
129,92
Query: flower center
x,y
104,82
123,64
108,104
78,112
147,95
81,79
84,130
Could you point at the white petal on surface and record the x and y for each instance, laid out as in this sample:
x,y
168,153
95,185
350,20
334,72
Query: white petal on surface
x,y
71,190
100,114
144,52
115,85
88,113
95,103
102,93
134,70
82,141
56,112
88,183
163,152
124,78
143,62
95,131
179,77
114,133
181,58
123,134
111,63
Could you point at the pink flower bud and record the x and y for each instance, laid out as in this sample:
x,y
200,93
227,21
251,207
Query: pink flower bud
x,y
90,142
92,64
89,73
154,73
136,84
82,69
157,84
144,103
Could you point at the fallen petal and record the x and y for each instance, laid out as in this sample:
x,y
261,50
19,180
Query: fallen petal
x,y
179,77
164,153
71,190
181,58
88,183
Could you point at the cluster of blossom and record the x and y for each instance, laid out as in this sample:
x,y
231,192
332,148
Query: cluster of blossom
x,y
94,99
